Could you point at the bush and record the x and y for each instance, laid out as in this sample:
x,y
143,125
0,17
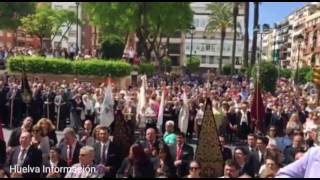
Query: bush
x,y
226,69
61,66
268,76
165,64
147,68
193,64
304,75
285,73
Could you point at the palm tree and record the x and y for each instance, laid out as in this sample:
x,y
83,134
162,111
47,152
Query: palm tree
x,y
246,35
219,19
235,15
255,33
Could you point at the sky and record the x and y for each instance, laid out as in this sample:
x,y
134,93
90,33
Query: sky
x,y
272,12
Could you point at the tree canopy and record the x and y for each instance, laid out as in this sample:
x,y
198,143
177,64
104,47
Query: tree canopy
x,y
150,20
47,22
11,12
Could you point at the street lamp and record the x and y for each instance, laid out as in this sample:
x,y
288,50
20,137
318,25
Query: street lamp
x,y
300,39
192,28
77,37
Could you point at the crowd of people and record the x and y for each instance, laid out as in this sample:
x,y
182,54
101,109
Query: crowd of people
x,y
134,146
67,53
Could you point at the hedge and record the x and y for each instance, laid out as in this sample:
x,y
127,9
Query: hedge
x,y
194,64
147,68
92,67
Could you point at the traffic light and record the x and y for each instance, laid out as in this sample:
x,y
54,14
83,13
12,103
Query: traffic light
x,y
316,76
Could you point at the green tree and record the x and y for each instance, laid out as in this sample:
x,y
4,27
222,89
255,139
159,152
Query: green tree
x,y
152,21
193,64
46,22
11,12
220,19
268,76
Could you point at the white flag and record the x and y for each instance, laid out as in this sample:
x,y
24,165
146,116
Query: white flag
x,y
160,116
142,95
184,114
107,115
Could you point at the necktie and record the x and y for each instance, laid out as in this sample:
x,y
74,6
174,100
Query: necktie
x,y
103,157
69,161
23,153
179,151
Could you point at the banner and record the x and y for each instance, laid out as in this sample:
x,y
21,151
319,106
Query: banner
x,y
257,109
184,115
107,115
209,152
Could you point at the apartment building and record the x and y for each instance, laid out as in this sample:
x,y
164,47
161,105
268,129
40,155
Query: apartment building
x,y
207,46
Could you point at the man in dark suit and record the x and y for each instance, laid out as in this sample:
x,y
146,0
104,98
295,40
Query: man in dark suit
x,y
182,154
106,154
16,105
15,135
251,149
290,151
226,152
70,147
3,103
24,156
151,144
54,162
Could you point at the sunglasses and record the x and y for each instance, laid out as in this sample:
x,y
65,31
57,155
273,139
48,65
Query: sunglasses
x,y
194,168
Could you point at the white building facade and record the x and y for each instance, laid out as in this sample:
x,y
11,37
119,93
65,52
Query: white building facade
x,y
71,35
207,46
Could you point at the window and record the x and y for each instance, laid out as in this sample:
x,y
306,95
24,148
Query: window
x,y
72,33
203,60
207,47
211,59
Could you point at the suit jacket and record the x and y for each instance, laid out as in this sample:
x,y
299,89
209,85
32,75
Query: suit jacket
x,y
289,154
186,157
253,158
227,153
75,157
33,159
128,170
112,158
145,145
14,138
61,163
3,153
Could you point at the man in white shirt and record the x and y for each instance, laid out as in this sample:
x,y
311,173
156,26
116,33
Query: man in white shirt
x,y
85,168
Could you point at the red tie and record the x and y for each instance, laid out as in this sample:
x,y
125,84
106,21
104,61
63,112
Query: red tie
x,y
69,161
179,152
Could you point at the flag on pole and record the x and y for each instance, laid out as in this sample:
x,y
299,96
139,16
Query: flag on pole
x,y
160,115
107,115
209,151
142,95
257,109
184,114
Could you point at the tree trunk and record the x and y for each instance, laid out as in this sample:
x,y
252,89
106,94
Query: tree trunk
x,y
235,15
255,33
223,35
246,35
41,42
69,26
